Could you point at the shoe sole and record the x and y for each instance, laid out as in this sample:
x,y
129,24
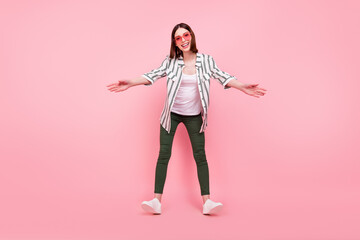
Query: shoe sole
x,y
147,208
215,210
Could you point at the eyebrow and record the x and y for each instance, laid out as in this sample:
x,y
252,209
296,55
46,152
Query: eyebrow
x,y
183,34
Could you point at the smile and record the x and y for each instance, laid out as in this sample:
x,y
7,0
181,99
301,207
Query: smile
x,y
185,45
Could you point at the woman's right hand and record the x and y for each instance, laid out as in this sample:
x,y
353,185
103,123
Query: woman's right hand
x,y
120,86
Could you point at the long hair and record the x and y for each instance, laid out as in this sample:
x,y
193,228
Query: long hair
x,y
174,50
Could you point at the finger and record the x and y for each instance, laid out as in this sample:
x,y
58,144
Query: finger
x,y
119,90
260,87
112,88
113,84
258,90
115,89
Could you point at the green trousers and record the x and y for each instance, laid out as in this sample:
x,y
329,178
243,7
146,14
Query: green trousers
x,y
193,125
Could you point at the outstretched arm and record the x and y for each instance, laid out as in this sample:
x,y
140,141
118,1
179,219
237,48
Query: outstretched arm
x,y
123,85
229,81
250,89
146,79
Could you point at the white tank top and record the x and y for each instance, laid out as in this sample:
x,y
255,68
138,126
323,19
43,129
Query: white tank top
x,y
187,100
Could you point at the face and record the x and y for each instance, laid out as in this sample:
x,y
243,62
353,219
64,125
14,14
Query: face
x,y
183,39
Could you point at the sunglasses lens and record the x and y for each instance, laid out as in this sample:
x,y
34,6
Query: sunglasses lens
x,y
178,39
187,36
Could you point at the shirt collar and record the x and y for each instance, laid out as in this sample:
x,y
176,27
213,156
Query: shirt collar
x,y
197,64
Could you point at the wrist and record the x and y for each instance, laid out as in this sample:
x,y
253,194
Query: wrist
x,y
131,83
241,86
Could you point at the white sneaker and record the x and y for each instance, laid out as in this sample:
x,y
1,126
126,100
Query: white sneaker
x,y
210,207
153,206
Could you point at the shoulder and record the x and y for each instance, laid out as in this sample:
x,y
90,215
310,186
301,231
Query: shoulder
x,y
201,54
167,58
205,56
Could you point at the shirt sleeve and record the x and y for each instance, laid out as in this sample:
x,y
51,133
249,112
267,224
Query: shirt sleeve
x,y
222,77
157,73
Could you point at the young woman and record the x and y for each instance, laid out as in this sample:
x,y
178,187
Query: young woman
x,y
188,80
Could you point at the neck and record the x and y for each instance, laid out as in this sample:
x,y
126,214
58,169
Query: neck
x,y
189,55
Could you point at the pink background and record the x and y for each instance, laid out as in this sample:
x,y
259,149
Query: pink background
x,y
77,160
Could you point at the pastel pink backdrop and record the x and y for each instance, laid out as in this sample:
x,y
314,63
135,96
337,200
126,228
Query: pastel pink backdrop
x,y
77,160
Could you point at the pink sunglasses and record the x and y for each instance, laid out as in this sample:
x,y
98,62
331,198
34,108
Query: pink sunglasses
x,y
186,36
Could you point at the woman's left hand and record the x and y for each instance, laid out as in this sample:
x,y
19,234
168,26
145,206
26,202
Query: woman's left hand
x,y
253,90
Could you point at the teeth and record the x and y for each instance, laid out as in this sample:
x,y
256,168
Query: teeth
x,y
185,45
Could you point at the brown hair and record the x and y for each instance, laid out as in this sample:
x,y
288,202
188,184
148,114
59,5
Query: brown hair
x,y
174,50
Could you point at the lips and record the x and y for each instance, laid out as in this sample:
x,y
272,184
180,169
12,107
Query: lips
x,y
185,45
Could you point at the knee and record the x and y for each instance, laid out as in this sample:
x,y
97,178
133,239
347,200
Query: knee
x,y
164,155
200,157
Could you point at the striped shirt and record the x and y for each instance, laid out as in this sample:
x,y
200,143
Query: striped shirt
x,y
206,68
